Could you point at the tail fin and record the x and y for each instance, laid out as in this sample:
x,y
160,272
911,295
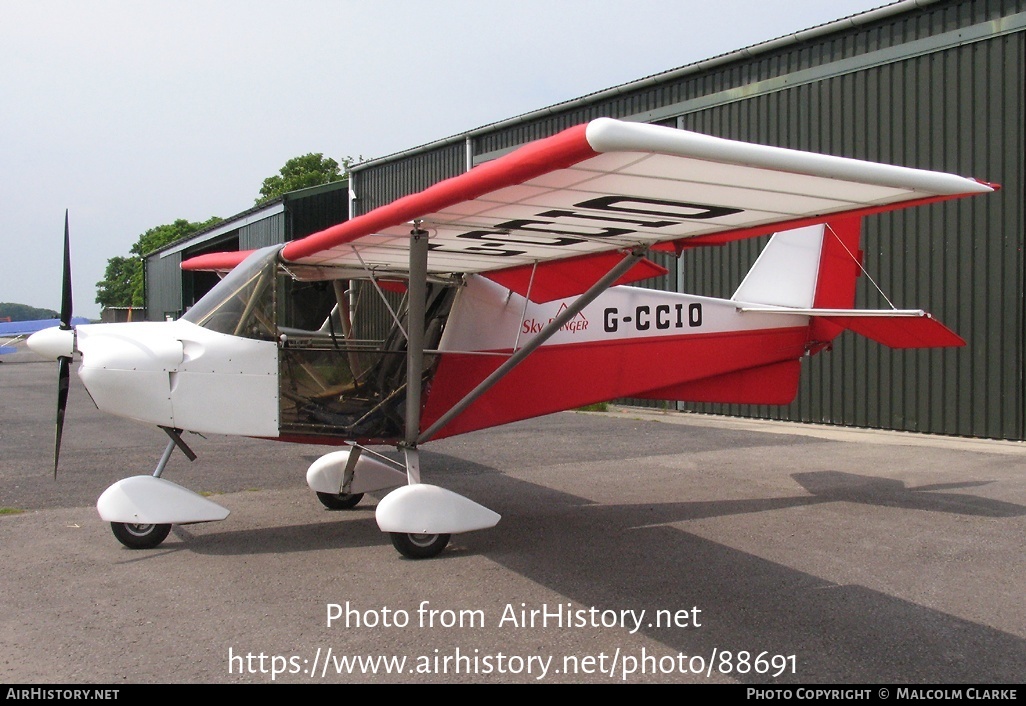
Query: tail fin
x,y
813,271
806,268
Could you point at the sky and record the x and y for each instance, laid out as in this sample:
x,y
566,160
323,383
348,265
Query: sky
x,y
132,114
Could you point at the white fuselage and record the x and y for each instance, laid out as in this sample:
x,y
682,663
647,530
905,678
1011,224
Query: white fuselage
x,y
180,375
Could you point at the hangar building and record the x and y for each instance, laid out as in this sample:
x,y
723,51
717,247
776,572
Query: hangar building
x,y
934,84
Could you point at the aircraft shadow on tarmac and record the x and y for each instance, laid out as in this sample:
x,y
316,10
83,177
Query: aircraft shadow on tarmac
x,y
835,486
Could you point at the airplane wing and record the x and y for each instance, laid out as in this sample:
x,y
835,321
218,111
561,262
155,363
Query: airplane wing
x,y
608,186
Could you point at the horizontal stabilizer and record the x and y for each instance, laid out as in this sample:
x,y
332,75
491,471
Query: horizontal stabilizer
x,y
898,332
896,328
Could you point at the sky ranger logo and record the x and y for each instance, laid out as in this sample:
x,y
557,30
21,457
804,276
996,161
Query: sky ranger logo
x,y
575,325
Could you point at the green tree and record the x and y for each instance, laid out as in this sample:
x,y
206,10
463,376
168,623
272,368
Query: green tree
x,y
117,288
158,237
310,169
9,311
122,283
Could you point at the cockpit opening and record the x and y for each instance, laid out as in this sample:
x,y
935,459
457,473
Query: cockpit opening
x,y
342,343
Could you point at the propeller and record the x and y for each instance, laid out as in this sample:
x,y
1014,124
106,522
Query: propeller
x,y
63,362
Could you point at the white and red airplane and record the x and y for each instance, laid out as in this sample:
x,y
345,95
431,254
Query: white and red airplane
x,y
504,292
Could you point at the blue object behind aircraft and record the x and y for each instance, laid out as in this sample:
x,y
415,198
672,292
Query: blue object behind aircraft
x,y
20,328
15,330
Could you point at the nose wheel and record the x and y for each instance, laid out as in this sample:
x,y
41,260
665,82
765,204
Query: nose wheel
x,y
135,536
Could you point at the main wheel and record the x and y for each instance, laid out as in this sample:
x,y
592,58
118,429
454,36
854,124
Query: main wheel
x,y
339,501
139,536
419,546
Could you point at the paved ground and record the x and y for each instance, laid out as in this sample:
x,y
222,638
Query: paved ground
x,y
825,555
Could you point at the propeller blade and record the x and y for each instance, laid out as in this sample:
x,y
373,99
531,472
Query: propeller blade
x,y
63,362
66,285
63,384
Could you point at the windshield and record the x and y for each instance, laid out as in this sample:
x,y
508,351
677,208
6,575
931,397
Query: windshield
x,y
241,304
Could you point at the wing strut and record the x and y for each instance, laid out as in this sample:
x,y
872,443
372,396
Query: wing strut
x,y
570,312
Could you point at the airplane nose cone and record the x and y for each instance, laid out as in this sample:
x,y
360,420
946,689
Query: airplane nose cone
x,y
53,343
